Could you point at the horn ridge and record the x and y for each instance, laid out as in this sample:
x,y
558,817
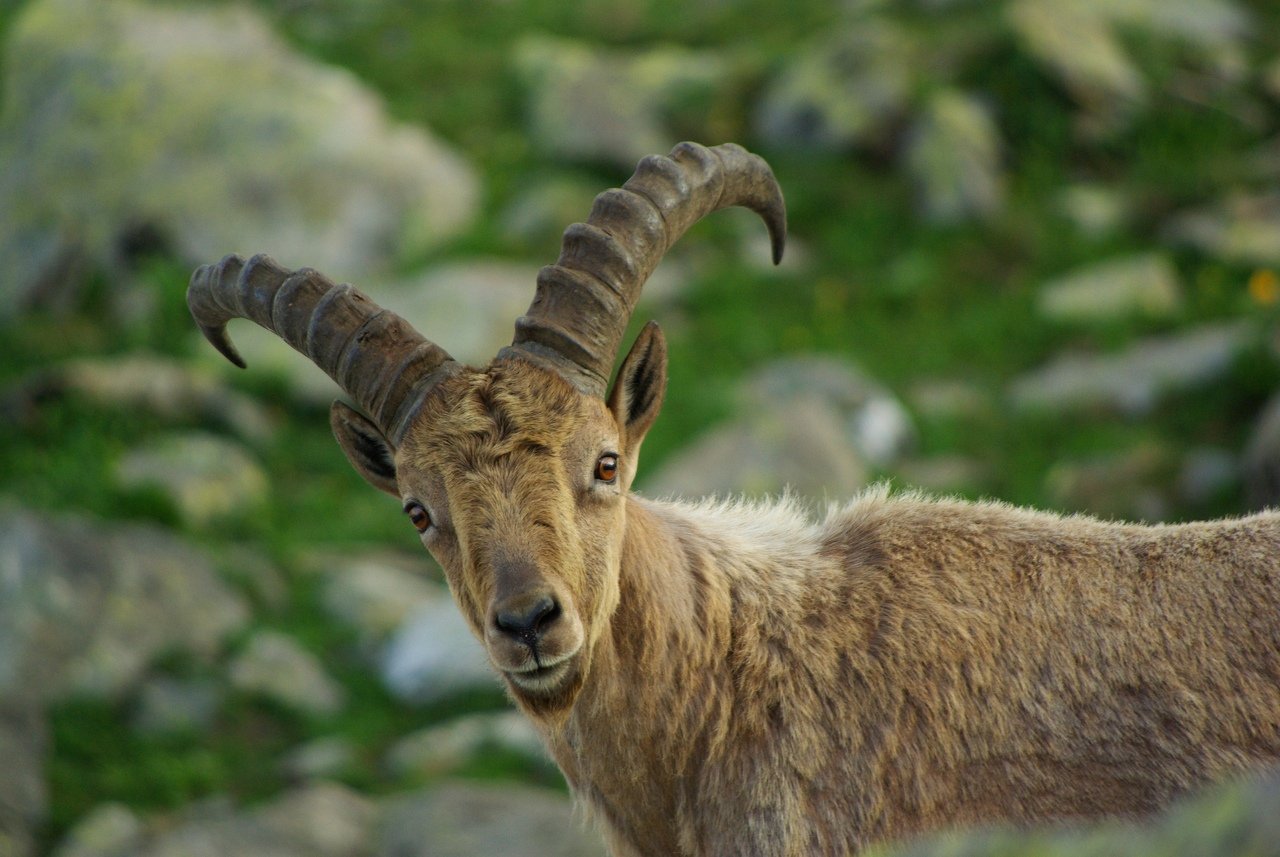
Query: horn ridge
x,y
373,354
625,236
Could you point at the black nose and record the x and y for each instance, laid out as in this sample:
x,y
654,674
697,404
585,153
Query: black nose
x,y
527,620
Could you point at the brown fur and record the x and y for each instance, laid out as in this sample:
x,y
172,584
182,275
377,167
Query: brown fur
x,y
741,680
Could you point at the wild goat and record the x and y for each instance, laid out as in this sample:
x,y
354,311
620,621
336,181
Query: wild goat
x,y
729,678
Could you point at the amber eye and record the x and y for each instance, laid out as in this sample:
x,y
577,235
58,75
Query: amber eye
x,y
418,516
607,467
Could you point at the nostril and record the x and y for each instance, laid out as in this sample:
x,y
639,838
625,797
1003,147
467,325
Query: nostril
x,y
530,620
551,614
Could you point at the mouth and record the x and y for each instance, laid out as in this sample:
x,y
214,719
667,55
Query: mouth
x,y
541,676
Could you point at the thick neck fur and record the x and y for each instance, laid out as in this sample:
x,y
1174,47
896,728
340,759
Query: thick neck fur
x,y
770,685
667,662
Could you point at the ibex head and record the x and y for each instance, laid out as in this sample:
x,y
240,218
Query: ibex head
x,y
514,475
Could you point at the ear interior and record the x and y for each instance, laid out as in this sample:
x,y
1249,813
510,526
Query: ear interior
x,y
369,452
641,385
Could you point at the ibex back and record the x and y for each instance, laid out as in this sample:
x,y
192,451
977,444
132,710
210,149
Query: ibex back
x,y
734,678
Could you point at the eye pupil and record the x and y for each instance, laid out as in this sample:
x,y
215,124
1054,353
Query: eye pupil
x,y
607,468
418,517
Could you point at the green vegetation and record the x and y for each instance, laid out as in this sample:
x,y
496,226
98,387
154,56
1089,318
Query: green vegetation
x,y
906,299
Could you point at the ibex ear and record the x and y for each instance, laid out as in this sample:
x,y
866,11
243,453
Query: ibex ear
x,y
369,452
640,385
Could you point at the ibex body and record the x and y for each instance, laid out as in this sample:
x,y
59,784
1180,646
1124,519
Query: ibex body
x,y
735,679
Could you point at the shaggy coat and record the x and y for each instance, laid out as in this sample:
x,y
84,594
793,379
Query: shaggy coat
x,y
735,679
769,686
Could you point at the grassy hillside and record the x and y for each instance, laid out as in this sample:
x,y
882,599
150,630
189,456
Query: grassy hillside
x,y
909,299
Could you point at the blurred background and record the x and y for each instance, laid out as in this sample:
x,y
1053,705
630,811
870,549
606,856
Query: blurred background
x,y
1034,255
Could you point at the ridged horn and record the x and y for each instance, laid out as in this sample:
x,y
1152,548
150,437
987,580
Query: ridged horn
x,y
584,302
385,365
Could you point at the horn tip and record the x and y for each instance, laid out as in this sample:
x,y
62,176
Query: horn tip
x,y
775,220
218,338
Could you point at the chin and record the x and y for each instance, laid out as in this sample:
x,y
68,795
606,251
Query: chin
x,y
545,691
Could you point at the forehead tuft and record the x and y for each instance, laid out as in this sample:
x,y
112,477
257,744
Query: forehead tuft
x,y
510,402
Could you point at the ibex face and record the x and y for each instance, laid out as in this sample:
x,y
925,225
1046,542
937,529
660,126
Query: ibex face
x,y
515,475
515,480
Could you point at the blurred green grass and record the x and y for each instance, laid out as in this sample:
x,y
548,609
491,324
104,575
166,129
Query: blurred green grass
x,y
903,298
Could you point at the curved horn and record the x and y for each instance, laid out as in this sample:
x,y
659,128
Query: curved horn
x,y
382,362
584,301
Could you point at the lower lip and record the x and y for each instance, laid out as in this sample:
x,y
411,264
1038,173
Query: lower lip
x,y
537,679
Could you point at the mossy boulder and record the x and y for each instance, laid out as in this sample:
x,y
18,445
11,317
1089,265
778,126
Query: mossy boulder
x,y
609,106
1237,819
126,124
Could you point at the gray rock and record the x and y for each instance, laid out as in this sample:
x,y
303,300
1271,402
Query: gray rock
x,y
267,354
811,425
873,419
799,448
1145,284
470,307
1077,43
463,820
321,759
444,748
540,211
167,706
1128,485
24,796
1260,465
755,249
435,655
110,830
948,398
318,820
86,609
1243,228
326,818
943,473
1271,78
422,647
150,383
1096,210
219,137
212,830
841,90
1134,380
374,592
1207,473
1228,820
52,585
1263,162
954,159
254,574
1080,42
593,104
164,598
276,666
208,478
1207,25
